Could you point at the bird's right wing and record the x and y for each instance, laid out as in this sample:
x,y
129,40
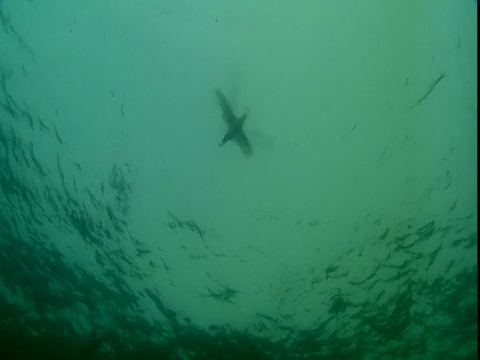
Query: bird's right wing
x,y
228,115
243,142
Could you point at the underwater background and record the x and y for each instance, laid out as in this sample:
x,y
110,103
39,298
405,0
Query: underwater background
x,y
349,233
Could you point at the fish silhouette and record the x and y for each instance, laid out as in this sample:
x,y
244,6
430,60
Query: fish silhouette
x,y
235,125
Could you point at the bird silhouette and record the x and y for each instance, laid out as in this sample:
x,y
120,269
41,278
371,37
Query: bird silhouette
x,y
235,125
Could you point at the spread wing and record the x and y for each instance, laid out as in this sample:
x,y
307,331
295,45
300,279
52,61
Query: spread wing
x,y
228,115
243,142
